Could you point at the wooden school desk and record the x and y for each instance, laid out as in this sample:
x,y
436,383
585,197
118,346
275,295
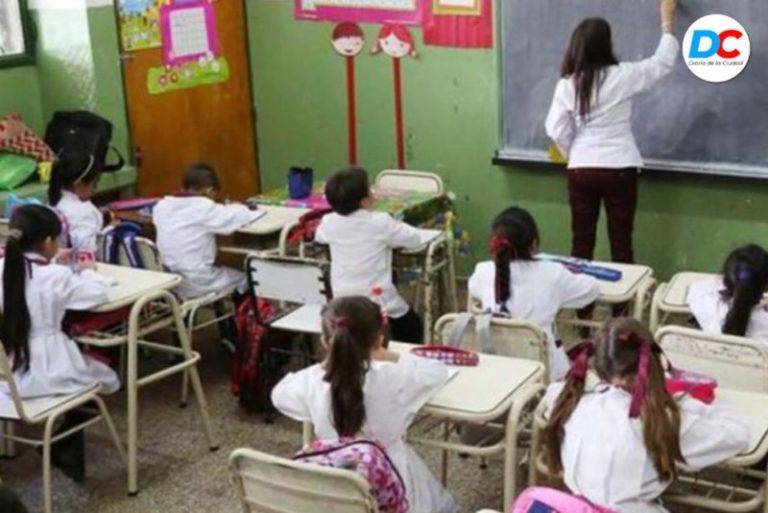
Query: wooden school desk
x,y
153,308
672,298
267,233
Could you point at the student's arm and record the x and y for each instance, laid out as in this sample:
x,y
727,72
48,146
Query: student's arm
x,y
399,234
418,380
226,219
710,434
560,125
290,396
575,290
82,291
476,283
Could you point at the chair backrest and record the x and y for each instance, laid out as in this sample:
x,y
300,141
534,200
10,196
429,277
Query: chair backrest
x,y
736,362
289,279
147,249
410,181
269,484
6,376
509,337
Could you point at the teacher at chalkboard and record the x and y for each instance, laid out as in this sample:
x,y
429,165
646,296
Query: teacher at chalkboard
x,y
590,122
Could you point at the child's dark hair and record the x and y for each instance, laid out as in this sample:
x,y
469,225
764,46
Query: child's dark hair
x,y
30,226
200,176
69,170
589,52
347,189
351,327
618,353
514,236
745,276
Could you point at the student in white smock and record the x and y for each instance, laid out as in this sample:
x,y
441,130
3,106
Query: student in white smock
x,y
362,389
620,443
518,285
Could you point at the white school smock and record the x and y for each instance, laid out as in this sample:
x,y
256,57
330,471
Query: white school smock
x,y
361,246
605,139
186,239
393,393
538,291
56,365
710,309
604,456
84,220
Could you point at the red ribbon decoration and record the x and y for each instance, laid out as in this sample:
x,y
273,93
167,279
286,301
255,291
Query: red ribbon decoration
x,y
399,129
643,370
499,243
351,111
579,356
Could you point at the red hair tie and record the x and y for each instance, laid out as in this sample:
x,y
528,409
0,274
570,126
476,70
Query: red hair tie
x,y
342,322
500,243
643,370
579,357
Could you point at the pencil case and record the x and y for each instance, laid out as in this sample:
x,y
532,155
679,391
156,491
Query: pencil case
x,y
448,355
697,385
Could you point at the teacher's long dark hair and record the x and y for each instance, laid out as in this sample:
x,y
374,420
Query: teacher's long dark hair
x,y
589,53
351,327
30,226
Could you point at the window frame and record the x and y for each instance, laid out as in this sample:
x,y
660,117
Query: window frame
x,y
27,57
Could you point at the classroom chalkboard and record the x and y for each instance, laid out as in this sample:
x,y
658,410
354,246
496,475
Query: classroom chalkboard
x,y
683,124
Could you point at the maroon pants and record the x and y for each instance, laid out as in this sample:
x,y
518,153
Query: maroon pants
x,y
617,189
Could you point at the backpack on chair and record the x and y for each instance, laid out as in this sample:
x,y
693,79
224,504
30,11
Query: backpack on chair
x,y
122,238
540,499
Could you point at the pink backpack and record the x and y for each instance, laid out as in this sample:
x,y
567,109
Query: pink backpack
x,y
548,500
369,459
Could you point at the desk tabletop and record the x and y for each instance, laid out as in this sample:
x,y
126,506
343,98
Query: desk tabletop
x,y
481,393
133,284
632,276
676,295
749,407
305,319
274,220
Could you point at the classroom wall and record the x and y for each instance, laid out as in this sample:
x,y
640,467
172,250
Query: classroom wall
x,y
452,118
20,92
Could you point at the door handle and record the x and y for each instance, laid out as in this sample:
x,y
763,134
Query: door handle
x,y
138,156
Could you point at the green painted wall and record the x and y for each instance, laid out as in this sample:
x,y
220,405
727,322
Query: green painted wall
x,y
20,92
452,117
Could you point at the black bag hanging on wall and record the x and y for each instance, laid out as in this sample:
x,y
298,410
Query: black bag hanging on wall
x,y
82,132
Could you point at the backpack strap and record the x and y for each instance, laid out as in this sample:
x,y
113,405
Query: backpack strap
x,y
460,324
120,161
483,333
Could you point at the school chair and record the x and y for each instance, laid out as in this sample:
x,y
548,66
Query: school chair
x,y
410,180
269,484
670,300
45,411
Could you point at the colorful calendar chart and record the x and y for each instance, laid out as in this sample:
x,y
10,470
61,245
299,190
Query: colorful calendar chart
x,y
408,12
189,32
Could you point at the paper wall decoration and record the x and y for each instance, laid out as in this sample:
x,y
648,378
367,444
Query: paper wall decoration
x,y
347,40
189,32
204,71
409,12
397,42
446,25
140,24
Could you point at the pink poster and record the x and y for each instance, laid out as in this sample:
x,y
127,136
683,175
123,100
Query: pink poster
x,y
189,32
407,12
459,23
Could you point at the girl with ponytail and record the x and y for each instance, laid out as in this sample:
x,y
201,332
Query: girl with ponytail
x,y
621,442
735,304
74,180
519,286
364,390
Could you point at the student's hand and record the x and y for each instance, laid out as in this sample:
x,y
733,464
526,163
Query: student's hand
x,y
668,10
85,265
64,257
384,355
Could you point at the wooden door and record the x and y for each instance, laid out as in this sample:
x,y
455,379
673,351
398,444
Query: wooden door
x,y
209,123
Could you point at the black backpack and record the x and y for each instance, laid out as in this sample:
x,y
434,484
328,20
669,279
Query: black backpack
x,y
82,132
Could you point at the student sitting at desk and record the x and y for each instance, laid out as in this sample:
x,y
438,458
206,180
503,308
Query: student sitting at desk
x,y
364,390
517,285
734,304
361,243
74,180
36,295
620,443
187,224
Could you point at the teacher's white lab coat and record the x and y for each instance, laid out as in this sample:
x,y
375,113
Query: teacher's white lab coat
x,y
393,394
604,456
84,221
539,290
56,365
186,239
710,309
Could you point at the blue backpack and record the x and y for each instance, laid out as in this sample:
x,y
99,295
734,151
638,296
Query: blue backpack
x,y
122,237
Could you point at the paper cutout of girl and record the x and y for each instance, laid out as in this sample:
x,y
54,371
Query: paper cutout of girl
x,y
397,42
347,39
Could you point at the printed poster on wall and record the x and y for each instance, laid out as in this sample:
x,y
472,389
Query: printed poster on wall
x,y
407,12
459,23
140,24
